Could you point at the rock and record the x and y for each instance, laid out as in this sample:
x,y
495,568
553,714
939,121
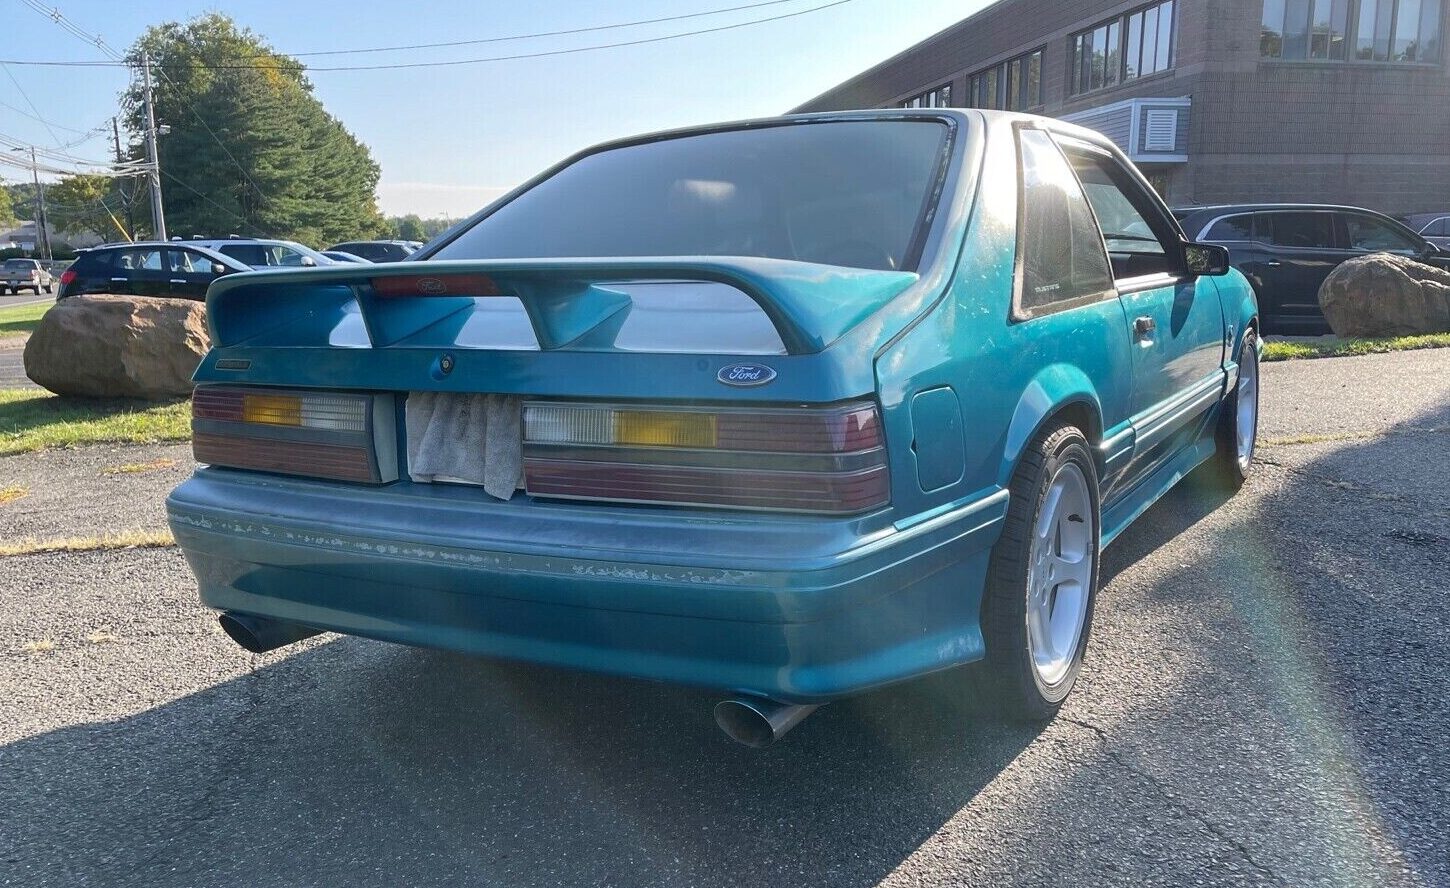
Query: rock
x,y
1386,295
118,347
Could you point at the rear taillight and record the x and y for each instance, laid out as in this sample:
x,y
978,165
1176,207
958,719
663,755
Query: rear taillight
x,y
67,276
343,436
829,460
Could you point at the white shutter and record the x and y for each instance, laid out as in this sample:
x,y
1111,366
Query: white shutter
x,y
1161,131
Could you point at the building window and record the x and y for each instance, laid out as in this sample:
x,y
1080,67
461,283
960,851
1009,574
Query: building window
x,y
1352,30
941,97
1123,49
1014,85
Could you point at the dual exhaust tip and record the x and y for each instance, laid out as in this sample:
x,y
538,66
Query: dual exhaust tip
x,y
756,722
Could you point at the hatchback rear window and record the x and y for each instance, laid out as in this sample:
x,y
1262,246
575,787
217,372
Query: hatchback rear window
x,y
852,193
20,264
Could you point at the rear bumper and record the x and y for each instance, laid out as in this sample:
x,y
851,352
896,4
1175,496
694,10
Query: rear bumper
x,y
795,609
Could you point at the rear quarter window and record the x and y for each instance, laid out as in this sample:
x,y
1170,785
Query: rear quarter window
x,y
1060,252
1234,228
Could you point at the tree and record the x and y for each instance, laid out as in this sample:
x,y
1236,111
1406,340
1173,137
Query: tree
x,y
7,213
251,150
412,227
89,204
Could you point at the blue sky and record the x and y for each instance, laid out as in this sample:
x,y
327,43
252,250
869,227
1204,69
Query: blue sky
x,y
448,139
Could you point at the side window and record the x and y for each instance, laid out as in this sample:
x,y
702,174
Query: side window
x,y
1060,254
181,261
1440,228
1123,213
247,254
1234,228
1300,230
139,260
1369,233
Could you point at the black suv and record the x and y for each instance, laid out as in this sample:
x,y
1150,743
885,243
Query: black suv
x,y
1287,250
379,250
147,269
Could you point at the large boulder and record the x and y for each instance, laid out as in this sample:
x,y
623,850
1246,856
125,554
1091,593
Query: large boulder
x,y
118,347
1386,295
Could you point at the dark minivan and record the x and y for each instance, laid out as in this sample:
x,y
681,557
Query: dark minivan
x,y
1287,250
178,270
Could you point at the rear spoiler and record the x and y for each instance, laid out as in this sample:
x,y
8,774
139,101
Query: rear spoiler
x,y
567,300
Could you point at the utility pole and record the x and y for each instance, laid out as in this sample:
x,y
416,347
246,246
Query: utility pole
x,y
158,216
124,187
41,229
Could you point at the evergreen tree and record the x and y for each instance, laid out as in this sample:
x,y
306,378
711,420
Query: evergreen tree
x,y
251,150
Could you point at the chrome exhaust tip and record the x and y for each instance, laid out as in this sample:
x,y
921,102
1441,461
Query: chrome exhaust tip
x,y
260,634
757,722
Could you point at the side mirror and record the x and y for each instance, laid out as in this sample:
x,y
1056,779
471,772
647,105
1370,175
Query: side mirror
x,y
308,262
1205,259
219,269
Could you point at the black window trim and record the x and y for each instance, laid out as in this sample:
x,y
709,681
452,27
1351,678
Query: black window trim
x,y
1121,20
1159,219
1018,314
1002,69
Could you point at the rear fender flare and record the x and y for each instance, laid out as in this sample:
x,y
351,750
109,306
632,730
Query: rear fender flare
x,y
1057,389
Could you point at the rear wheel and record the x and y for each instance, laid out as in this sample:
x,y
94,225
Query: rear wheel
x,y
1042,579
1238,421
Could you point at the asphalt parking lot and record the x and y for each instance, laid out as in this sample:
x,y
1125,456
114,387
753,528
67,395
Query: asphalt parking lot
x,y
1264,703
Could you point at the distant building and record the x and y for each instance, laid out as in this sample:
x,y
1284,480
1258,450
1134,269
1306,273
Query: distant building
x,y
1219,101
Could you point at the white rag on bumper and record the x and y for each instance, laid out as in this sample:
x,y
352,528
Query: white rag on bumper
x,y
466,439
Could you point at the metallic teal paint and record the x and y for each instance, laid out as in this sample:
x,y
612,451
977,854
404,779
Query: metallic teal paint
x,y
791,607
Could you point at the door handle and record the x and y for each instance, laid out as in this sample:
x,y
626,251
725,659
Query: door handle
x,y
119,280
1273,263
178,280
1143,327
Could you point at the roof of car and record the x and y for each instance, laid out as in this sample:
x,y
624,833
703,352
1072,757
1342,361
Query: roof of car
x,y
1262,207
199,246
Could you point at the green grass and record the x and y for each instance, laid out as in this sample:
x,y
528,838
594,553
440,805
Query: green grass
x,y
36,420
1345,348
20,320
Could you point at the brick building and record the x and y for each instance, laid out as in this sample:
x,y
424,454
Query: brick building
x,y
1219,101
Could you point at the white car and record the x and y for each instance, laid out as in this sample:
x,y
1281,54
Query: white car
x,y
265,253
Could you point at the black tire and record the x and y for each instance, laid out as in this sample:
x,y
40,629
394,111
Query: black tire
x,y
1007,681
1230,468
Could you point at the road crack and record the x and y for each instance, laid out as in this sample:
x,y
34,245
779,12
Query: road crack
x,y
1169,798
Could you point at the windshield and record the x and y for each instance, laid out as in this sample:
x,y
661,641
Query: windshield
x,y
840,193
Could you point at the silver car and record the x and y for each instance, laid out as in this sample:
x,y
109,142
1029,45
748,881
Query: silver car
x,y
265,252
25,274
1433,227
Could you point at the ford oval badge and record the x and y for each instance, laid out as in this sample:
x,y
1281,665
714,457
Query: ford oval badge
x,y
745,374
432,286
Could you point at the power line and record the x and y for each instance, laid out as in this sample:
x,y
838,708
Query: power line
x,y
617,25
60,18
26,96
450,63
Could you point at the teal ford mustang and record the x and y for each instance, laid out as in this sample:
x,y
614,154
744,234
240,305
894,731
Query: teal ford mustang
x,y
789,408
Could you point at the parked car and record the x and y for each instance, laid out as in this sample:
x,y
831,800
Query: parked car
x,y
148,268
379,250
340,256
264,252
1433,227
834,409
24,274
1287,250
